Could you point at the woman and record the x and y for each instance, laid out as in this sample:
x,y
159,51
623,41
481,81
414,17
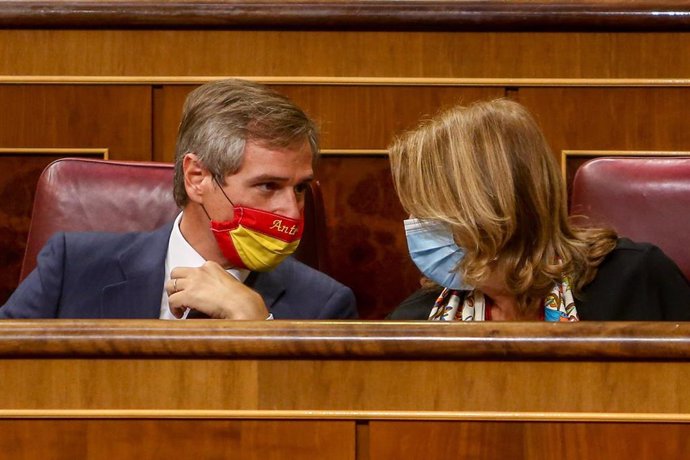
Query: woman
x,y
482,178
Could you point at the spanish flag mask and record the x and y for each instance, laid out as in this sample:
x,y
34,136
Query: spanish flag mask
x,y
255,239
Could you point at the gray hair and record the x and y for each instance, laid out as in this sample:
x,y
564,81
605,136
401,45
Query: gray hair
x,y
219,118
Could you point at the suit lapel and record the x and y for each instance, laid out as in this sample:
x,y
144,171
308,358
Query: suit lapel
x,y
142,264
269,286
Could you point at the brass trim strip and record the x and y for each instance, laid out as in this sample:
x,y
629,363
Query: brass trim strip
x,y
55,151
344,415
348,81
565,154
354,152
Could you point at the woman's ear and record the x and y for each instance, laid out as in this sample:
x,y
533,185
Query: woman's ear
x,y
195,177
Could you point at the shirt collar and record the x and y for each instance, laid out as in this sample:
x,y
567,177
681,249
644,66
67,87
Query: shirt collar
x,y
182,254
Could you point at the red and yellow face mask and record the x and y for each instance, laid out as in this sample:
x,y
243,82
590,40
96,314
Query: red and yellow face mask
x,y
257,240
254,239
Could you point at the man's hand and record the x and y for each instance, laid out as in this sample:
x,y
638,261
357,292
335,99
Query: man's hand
x,y
211,290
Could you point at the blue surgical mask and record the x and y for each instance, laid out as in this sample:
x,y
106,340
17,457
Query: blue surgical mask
x,y
434,252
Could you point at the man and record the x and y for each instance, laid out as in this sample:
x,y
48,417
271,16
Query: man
x,y
243,162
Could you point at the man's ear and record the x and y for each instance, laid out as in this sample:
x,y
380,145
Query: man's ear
x,y
196,177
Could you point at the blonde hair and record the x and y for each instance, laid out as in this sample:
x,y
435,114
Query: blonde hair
x,y
487,171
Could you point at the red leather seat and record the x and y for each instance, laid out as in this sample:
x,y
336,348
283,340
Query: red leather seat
x,y
76,194
645,199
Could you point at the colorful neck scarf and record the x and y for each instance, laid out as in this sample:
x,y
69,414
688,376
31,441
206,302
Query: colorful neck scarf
x,y
453,305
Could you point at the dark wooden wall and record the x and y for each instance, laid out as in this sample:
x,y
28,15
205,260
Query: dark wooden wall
x,y
87,81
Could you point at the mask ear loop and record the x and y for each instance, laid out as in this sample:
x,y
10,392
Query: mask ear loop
x,y
224,194
206,212
223,191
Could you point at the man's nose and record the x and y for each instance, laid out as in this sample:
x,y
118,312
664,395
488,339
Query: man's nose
x,y
291,205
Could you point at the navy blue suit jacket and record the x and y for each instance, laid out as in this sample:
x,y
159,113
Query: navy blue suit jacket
x,y
108,275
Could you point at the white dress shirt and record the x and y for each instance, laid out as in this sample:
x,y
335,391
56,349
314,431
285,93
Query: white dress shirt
x,y
182,254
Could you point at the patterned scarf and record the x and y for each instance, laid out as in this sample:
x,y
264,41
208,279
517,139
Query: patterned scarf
x,y
453,305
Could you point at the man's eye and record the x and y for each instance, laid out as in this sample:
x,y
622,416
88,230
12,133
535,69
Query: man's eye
x,y
301,188
268,186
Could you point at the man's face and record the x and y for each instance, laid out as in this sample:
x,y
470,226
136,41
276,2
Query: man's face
x,y
269,179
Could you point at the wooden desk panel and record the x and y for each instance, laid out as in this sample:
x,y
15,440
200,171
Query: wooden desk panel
x,y
347,389
280,367
176,439
494,386
534,441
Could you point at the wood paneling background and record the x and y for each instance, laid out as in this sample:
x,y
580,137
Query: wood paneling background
x,y
122,88
364,117
611,118
386,54
68,116
116,118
